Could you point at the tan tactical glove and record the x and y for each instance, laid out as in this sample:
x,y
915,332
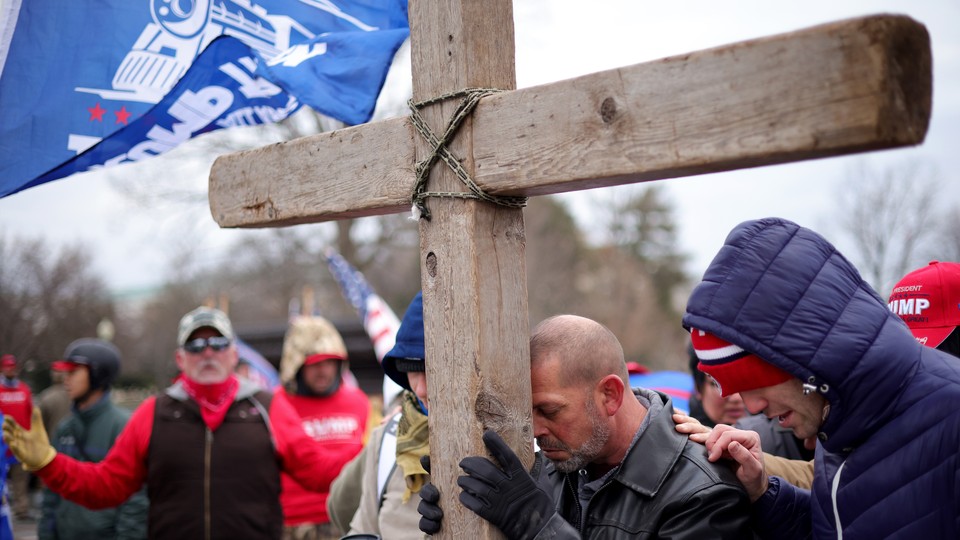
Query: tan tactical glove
x,y
32,447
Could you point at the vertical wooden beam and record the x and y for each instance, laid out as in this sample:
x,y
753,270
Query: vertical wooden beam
x,y
472,261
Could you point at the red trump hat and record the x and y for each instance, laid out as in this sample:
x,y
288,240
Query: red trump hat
x,y
928,300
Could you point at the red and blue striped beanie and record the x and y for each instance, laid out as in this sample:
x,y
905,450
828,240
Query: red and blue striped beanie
x,y
734,369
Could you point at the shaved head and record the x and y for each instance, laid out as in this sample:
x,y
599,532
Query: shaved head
x,y
585,349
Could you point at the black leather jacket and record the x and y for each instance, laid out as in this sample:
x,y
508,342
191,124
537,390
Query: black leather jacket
x,y
665,488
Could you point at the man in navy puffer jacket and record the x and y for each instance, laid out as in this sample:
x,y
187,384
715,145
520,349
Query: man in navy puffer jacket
x,y
784,318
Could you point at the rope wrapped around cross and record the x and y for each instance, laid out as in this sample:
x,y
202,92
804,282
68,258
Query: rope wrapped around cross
x,y
468,102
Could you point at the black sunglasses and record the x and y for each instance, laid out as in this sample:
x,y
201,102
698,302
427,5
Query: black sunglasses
x,y
196,346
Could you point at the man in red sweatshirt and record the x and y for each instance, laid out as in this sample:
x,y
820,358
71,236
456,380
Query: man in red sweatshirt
x,y
16,401
333,413
210,448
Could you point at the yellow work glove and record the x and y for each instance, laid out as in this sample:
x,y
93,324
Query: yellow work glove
x,y
32,447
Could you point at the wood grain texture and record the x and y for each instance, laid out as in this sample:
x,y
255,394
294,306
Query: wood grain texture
x,y
851,86
472,261
352,172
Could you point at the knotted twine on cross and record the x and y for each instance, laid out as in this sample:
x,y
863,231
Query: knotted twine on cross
x,y
471,96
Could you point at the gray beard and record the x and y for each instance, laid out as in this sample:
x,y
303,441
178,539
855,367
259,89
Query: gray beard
x,y
588,451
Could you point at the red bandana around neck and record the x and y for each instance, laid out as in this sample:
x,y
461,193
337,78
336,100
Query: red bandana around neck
x,y
214,399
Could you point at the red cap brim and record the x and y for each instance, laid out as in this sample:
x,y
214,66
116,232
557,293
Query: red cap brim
x,y
932,337
317,358
63,365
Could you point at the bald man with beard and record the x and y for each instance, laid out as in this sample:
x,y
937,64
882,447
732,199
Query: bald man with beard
x,y
614,468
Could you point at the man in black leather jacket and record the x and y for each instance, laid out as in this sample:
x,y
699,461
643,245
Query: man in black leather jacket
x,y
616,467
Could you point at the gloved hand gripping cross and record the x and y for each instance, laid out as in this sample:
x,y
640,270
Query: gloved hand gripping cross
x,y
508,497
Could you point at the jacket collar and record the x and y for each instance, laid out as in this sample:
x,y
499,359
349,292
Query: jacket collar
x,y
94,409
649,461
246,389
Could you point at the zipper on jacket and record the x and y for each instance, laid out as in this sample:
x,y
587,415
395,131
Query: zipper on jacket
x,y
207,453
582,525
833,496
595,495
581,519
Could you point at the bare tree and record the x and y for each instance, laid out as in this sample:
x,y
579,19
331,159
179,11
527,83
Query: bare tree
x,y
948,246
627,279
260,274
641,223
889,216
622,296
556,255
47,299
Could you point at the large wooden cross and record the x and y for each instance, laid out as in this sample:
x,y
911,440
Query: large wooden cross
x,y
851,86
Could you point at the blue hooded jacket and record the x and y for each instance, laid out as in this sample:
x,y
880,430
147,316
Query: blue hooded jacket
x,y
888,459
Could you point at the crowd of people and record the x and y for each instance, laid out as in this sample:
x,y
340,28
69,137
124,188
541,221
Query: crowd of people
x,y
819,410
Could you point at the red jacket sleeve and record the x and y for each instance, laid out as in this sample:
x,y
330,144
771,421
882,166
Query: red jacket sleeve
x,y
312,466
110,482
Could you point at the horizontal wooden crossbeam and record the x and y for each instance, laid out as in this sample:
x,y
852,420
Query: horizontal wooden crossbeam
x,y
850,86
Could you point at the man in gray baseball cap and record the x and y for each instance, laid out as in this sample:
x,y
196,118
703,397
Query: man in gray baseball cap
x,y
216,443
201,331
201,317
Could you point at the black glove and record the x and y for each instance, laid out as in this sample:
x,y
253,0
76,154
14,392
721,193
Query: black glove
x,y
508,498
430,513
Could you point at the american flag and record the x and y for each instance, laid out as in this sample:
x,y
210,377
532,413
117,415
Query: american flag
x,y
379,320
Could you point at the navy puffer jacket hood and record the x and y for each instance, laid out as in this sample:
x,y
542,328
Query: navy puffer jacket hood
x,y
888,462
787,295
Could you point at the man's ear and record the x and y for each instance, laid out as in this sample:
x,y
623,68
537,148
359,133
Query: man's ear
x,y
610,391
178,357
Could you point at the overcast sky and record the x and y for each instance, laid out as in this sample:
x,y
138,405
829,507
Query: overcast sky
x,y
558,39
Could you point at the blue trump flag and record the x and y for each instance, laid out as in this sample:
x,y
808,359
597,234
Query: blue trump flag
x,y
90,83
